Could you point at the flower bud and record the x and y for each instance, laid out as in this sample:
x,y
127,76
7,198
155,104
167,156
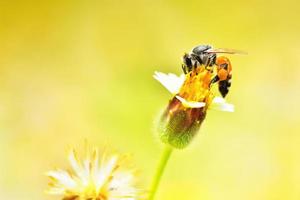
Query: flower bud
x,y
178,124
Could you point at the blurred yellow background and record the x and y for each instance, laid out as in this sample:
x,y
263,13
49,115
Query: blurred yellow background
x,y
75,70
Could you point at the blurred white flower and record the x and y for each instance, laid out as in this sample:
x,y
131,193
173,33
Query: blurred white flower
x,y
94,178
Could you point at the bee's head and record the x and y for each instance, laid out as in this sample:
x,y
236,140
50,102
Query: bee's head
x,y
200,49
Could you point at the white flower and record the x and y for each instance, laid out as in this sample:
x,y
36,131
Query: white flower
x,y
94,179
173,84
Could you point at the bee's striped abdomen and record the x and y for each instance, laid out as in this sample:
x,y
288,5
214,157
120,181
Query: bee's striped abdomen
x,y
224,86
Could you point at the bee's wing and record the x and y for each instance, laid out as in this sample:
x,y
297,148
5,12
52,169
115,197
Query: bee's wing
x,y
225,50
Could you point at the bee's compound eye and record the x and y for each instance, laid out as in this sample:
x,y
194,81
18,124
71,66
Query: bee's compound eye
x,y
200,49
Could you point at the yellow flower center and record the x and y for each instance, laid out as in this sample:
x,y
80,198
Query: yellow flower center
x,y
196,86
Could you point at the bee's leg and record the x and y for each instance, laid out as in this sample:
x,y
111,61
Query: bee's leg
x,y
195,65
213,59
184,69
215,79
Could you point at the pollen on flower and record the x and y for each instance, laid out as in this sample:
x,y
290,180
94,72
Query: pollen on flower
x,y
94,178
196,86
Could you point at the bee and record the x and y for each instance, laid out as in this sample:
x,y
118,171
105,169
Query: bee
x,y
197,57
206,56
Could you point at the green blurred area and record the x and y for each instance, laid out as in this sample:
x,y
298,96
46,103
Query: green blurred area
x,y
75,70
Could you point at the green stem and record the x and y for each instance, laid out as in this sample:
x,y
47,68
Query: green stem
x,y
160,170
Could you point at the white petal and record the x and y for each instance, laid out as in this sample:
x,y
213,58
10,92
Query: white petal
x,y
190,104
121,180
77,167
170,81
105,171
219,103
63,178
